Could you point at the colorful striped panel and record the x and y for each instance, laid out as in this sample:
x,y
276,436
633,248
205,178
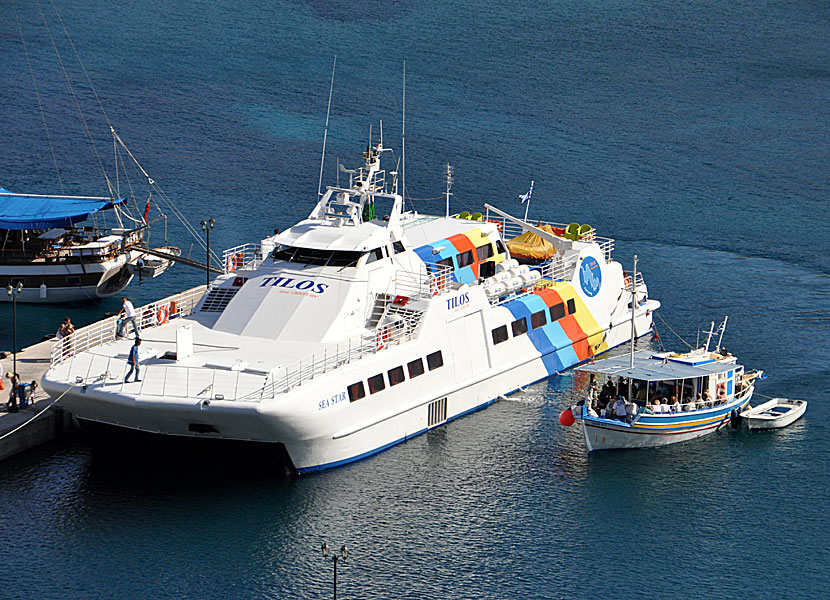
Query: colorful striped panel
x,y
455,245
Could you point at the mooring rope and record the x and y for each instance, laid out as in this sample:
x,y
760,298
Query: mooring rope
x,y
22,425
673,331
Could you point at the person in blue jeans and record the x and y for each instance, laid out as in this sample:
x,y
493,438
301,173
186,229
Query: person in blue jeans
x,y
132,360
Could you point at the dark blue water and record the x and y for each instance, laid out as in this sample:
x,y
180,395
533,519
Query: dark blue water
x,y
694,133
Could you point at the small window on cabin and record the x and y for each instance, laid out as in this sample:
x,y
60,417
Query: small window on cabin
x,y
500,247
571,306
374,255
446,262
538,319
356,391
396,376
557,311
71,280
484,252
465,259
519,326
415,368
398,246
500,334
376,384
435,360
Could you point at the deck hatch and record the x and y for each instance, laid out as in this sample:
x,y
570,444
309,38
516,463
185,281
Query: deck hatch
x,y
218,299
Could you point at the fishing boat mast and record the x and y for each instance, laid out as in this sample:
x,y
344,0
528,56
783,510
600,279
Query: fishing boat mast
x,y
633,308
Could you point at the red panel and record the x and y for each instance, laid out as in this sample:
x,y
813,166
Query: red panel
x,y
549,296
462,243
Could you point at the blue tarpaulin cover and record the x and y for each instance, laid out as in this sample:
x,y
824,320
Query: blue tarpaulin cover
x,y
22,211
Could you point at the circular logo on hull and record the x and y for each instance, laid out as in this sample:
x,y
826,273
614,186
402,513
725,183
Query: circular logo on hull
x,y
590,276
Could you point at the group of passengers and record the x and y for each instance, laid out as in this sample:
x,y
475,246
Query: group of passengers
x,y
610,401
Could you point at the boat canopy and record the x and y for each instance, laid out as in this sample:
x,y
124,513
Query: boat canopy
x,y
656,367
25,211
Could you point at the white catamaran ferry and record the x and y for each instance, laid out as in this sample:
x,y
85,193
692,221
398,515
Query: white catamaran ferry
x,y
358,328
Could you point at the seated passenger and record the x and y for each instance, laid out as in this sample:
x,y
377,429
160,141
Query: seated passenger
x,y
675,404
707,401
620,409
664,406
700,403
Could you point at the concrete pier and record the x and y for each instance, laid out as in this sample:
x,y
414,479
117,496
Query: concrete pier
x,y
32,363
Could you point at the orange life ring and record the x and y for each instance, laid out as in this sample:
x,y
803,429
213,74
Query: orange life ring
x,y
496,223
229,264
382,337
162,314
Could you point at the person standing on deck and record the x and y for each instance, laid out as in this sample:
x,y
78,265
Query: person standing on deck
x,y
132,360
128,310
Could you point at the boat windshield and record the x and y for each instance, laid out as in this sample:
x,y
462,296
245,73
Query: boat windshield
x,y
312,256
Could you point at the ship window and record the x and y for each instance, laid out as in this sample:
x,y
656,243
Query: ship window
x,y
557,311
344,258
73,280
519,326
396,376
283,252
500,247
376,384
435,360
374,255
571,306
398,246
416,367
465,259
538,319
500,334
446,262
356,391
484,252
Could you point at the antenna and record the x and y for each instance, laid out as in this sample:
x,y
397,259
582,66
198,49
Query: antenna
x,y
403,137
326,130
381,133
448,178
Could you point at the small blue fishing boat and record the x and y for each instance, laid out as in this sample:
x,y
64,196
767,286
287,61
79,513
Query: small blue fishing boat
x,y
652,399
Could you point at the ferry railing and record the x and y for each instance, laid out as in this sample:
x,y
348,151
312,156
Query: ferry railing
x,y
147,316
510,230
244,256
397,325
436,280
639,281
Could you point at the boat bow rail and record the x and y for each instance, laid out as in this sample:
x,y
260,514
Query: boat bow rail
x,y
103,332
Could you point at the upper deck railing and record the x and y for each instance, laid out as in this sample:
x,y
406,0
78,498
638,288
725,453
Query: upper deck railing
x,y
244,256
104,331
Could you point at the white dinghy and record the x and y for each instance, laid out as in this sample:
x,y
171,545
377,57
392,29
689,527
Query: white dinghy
x,y
774,414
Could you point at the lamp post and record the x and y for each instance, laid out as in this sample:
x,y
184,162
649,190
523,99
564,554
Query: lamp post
x,y
206,227
344,552
14,292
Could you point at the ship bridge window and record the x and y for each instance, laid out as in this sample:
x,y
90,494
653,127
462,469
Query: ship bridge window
x,y
538,319
571,306
312,256
356,391
500,247
415,368
398,246
519,326
484,252
376,384
557,311
435,360
465,259
374,255
500,334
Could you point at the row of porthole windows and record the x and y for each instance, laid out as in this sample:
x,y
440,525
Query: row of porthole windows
x,y
377,383
465,259
537,320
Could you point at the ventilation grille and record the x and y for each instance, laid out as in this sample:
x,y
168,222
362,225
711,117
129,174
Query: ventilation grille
x,y
437,412
217,299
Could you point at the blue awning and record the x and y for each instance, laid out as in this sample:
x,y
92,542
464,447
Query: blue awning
x,y
26,211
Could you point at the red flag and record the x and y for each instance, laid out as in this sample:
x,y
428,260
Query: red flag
x,y
146,210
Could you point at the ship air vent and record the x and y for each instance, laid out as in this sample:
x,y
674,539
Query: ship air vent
x,y
218,298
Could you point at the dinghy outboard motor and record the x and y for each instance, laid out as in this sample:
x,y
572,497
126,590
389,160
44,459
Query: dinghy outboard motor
x,y
735,418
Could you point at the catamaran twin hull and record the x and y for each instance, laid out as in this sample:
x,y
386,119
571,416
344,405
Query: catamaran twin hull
x,y
467,354
350,331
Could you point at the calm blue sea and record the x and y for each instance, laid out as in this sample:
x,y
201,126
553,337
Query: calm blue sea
x,y
695,133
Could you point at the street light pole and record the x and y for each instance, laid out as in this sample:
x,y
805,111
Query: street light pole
x,y
14,292
344,552
206,227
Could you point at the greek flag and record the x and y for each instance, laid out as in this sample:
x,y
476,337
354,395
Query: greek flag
x,y
526,197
